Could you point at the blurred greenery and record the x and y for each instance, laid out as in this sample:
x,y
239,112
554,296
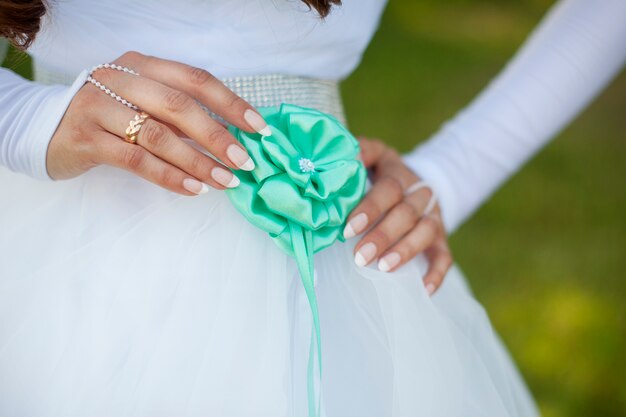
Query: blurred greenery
x,y
546,253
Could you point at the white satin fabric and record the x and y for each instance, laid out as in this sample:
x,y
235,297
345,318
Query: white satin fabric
x,y
118,298
228,38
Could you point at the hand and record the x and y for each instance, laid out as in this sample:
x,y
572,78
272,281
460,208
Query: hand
x,y
92,129
399,227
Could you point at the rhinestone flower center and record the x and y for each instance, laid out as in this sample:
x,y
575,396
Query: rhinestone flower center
x,y
306,165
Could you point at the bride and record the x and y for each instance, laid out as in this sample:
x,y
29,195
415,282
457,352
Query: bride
x,y
135,288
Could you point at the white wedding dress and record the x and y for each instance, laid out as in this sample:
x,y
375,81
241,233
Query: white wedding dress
x,y
118,298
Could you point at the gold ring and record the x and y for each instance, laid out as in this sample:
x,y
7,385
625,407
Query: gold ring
x,y
135,126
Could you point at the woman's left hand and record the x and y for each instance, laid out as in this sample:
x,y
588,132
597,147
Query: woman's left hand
x,y
401,229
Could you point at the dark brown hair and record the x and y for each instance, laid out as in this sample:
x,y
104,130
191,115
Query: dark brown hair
x,y
322,6
20,20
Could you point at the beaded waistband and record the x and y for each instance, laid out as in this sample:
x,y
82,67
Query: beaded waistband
x,y
258,90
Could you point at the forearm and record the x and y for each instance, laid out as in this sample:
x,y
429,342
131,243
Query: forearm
x,y
29,115
578,48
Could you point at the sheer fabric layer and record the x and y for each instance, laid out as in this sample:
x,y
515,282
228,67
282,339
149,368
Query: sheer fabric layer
x,y
119,298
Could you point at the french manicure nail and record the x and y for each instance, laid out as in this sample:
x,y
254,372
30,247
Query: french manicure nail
x,y
240,158
365,254
195,186
257,122
224,177
389,261
355,226
430,288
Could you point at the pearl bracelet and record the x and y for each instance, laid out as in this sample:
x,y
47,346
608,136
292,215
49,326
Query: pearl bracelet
x,y
418,186
107,90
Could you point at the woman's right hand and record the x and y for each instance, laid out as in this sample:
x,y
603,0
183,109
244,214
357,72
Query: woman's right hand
x,y
91,132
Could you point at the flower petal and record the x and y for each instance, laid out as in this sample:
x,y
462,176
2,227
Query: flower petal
x,y
283,197
325,183
245,198
264,167
285,156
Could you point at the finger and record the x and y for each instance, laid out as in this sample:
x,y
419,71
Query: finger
x,y
111,150
201,85
371,151
398,221
420,199
391,164
440,261
165,144
386,193
179,109
421,237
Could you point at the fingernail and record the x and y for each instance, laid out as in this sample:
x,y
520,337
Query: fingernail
x,y
430,288
257,122
389,261
355,226
195,186
365,254
224,177
240,158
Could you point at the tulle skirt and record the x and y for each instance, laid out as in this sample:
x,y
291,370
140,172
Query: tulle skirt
x,y
118,298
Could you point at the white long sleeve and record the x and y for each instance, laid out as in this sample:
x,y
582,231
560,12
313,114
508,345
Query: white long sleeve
x,y
574,53
29,115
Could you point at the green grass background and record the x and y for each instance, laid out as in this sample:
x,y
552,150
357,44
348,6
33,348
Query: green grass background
x,y
547,254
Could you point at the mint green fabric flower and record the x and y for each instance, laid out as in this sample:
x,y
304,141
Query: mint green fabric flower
x,y
306,182
306,174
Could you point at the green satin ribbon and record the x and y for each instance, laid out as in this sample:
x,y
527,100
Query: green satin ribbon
x,y
306,182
